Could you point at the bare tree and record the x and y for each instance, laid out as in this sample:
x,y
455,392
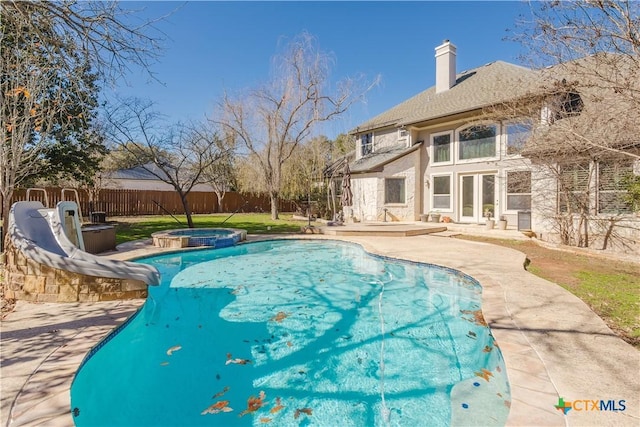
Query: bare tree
x,y
105,36
588,54
221,173
175,154
582,106
53,53
270,122
302,176
305,168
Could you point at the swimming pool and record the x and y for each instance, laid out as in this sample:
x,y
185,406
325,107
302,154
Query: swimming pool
x,y
297,332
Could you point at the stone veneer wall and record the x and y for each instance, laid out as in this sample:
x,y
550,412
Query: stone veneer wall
x,y
28,280
167,241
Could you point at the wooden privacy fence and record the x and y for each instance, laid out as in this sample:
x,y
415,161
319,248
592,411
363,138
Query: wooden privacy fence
x,y
117,202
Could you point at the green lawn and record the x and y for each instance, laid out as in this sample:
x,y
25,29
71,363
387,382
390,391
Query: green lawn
x,y
134,228
615,296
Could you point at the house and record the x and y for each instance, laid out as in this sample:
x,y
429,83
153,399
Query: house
x,y
430,153
142,178
443,151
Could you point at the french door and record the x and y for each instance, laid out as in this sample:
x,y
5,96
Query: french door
x,y
477,196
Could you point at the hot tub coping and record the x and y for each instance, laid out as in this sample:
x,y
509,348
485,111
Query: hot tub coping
x,y
170,238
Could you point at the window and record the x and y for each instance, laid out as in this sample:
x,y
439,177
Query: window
x,y
394,190
612,187
573,188
568,104
366,143
600,188
441,148
565,104
477,142
519,190
517,135
441,192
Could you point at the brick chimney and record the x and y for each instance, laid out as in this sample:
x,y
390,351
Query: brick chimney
x,y
445,66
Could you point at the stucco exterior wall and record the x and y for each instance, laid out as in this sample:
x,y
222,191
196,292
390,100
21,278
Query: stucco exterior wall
x,y
385,138
543,200
614,233
365,197
401,168
369,193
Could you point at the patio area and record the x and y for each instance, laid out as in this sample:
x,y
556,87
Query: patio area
x,y
554,346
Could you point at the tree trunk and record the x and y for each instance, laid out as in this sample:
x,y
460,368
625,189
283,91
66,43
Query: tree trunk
x,y
586,232
274,204
220,195
187,209
6,206
607,235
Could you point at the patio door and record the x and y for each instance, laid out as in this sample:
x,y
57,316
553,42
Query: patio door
x,y
477,196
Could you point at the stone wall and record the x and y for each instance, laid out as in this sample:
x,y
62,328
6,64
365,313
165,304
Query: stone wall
x,y
28,280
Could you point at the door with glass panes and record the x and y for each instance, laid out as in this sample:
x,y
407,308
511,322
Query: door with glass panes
x,y
477,196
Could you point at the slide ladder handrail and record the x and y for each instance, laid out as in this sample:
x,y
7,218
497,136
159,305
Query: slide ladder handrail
x,y
77,200
46,196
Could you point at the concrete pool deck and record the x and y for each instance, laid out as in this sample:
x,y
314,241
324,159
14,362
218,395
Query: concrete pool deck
x,y
554,346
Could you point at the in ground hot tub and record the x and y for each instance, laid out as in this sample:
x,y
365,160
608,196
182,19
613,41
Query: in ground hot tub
x,y
193,237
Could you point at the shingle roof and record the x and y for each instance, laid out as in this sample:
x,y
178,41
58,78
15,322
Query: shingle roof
x,y
138,172
375,161
477,88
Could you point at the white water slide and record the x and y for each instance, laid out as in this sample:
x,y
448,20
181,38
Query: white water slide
x,y
53,237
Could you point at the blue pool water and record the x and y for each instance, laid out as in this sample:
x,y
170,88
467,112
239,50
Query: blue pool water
x,y
297,332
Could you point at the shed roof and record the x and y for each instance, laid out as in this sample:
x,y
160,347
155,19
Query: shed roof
x,y
375,161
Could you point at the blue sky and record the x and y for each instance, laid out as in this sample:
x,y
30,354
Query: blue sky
x,y
216,46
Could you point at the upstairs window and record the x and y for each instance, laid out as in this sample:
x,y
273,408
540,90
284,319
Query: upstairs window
x,y
441,148
566,105
517,135
366,143
570,104
477,142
